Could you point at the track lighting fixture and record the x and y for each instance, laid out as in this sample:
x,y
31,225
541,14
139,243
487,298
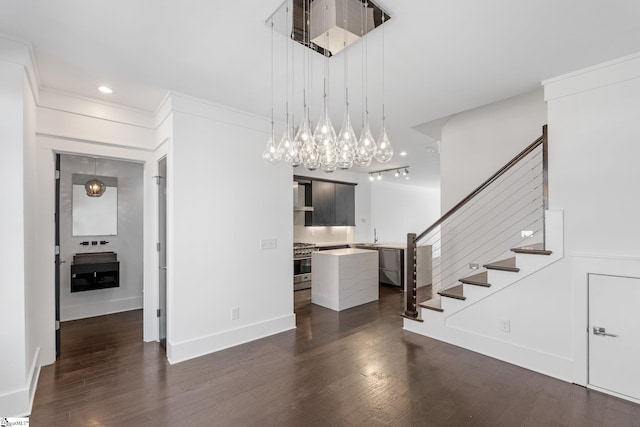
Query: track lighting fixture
x,y
404,170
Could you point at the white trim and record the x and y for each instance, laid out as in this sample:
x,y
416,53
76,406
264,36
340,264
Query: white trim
x,y
606,74
84,310
202,108
21,400
632,57
32,379
581,267
179,352
613,393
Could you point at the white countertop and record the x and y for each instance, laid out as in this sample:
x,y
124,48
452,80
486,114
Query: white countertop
x,y
342,252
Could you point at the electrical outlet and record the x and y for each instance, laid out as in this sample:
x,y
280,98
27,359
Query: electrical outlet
x,y
505,325
268,244
235,313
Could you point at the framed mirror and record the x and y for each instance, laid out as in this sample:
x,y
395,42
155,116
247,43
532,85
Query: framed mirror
x,y
94,216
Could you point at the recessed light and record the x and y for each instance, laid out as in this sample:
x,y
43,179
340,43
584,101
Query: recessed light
x,y
403,153
105,89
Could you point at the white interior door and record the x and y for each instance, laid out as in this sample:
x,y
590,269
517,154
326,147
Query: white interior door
x,y
614,334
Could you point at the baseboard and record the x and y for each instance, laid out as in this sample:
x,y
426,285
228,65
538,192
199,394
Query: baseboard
x,y
20,402
179,352
82,311
553,365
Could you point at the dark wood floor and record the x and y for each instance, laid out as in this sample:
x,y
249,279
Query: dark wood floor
x,y
355,368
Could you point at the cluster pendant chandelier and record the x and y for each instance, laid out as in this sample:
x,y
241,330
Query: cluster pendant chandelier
x,y
323,148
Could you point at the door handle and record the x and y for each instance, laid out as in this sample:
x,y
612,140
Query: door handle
x,y
163,268
598,330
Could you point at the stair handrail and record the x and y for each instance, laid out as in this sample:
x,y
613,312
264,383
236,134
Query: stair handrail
x,y
412,239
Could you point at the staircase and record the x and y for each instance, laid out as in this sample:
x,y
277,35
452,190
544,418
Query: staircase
x,y
436,313
488,249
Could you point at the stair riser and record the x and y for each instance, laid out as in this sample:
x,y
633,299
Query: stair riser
x,y
435,324
452,305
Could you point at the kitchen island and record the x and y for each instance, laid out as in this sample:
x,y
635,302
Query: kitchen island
x,y
344,278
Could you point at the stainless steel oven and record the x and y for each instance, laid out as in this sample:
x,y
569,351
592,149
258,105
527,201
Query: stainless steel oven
x,y
302,265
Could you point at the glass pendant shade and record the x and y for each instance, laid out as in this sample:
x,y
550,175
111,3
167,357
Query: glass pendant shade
x,y
287,149
346,143
308,149
384,150
324,137
366,148
270,153
95,188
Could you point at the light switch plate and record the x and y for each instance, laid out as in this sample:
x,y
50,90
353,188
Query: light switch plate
x,y
268,244
505,325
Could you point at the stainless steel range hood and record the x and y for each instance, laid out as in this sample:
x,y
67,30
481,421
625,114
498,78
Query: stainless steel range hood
x,y
298,197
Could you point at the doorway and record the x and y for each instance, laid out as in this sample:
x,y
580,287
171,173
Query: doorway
x,y
614,334
162,251
106,226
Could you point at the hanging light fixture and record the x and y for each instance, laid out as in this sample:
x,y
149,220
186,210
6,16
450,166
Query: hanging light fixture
x,y
271,154
94,187
324,135
366,148
287,149
326,27
396,172
384,150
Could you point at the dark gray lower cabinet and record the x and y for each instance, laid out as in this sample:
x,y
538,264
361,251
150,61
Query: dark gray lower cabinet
x,y
390,264
88,277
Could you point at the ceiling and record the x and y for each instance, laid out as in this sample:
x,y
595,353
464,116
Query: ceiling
x,y
441,56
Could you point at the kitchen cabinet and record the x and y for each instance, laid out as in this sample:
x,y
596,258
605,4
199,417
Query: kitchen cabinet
x,y
345,204
391,264
95,270
333,204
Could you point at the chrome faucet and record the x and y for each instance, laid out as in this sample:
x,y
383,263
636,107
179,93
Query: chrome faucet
x,y
375,236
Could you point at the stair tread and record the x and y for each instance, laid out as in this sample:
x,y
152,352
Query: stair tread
x,y
534,249
508,264
434,304
456,292
479,279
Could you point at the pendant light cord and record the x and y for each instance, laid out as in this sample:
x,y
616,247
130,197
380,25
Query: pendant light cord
x,y
286,46
272,83
345,11
383,62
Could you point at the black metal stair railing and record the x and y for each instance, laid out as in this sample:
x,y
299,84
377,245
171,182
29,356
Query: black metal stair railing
x,y
505,211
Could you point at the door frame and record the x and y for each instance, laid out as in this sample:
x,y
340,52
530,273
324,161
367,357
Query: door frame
x,y
590,336
577,271
53,145
161,179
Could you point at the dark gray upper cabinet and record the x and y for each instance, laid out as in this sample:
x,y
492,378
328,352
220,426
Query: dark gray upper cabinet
x,y
323,202
345,204
333,203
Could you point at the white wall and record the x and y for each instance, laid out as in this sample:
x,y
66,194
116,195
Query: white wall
x,y
13,232
593,151
222,200
478,142
128,243
398,209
